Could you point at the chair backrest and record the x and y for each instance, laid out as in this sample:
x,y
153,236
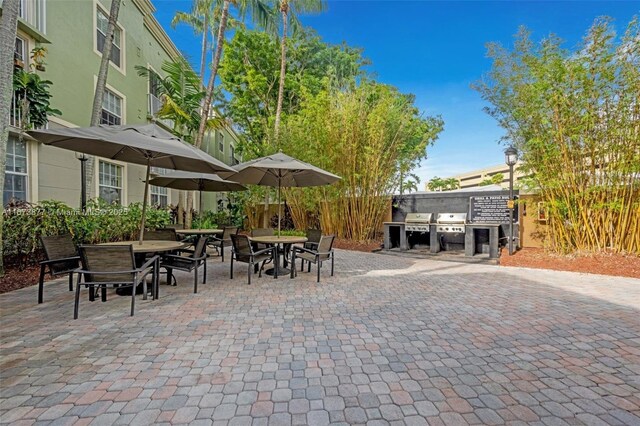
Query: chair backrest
x,y
313,235
263,232
241,245
325,245
200,247
228,231
60,247
101,258
163,234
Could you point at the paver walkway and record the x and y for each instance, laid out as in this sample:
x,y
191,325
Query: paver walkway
x,y
387,340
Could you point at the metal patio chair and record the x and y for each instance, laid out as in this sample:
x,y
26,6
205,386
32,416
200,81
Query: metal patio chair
x,y
323,253
161,234
219,243
189,263
106,266
61,258
242,251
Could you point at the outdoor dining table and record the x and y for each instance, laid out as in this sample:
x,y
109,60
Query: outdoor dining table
x,y
285,242
199,231
150,247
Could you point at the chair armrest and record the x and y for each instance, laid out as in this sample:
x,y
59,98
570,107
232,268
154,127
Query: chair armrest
x,y
185,250
85,272
306,250
64,259
266,250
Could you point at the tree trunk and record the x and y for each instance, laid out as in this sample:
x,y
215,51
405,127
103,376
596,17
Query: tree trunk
x,y
101,82
8,29
206,108
189,212
180,218
283,70
203,57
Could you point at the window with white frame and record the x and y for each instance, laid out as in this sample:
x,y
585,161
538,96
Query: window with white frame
x,y
20,52
102,23
159,194
220,138
111,109
110,183
16,177
234,160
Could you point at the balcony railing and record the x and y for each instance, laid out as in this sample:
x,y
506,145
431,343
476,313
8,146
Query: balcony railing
x,y
15,118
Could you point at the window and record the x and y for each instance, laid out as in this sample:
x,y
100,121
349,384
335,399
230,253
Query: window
x,y
15,177
110,183
111,109
20,52
220,137
234,160
102,23
159,194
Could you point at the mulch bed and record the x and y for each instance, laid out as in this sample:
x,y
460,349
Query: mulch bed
x,y
15,278
619,265
366,246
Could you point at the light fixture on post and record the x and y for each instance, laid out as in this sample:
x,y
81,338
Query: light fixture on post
x,y
511,158
83,179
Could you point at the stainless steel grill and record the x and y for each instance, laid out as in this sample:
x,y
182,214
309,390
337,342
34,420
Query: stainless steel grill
x,y
417,222
449,223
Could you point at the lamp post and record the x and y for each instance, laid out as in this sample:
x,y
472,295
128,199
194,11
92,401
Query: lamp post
x,y
83,179
511,158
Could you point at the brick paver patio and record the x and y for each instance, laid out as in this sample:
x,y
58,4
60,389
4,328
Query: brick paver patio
x,y
387,340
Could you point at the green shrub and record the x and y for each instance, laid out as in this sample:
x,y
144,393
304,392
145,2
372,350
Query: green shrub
x,y
24,223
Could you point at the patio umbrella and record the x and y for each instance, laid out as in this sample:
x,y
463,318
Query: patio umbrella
x,y
146,144
196,182
280,170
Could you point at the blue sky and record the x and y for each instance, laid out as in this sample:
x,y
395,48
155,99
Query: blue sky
x,y
435,50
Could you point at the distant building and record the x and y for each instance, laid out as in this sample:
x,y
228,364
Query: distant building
x,y
474,178
73,32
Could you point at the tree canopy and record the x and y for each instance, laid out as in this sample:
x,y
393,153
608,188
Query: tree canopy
x,y
575,117
250,72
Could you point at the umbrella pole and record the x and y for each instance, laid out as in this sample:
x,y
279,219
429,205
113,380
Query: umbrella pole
x,y
144,201
201,207
279,207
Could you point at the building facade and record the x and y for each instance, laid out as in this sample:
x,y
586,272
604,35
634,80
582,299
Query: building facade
x,y
475,177
73,32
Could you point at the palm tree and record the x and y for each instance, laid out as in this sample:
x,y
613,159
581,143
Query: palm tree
x,y
8,29
262,15
204,18
96,110
181,93
290,9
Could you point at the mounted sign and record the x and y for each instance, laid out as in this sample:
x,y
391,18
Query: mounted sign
x,y
490,209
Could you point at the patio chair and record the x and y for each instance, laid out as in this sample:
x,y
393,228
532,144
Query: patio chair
x,y
161,234
313,239
112,266
188,261
218,243
323,253
61,258
242,251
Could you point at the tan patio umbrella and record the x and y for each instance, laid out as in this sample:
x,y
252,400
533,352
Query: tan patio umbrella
x,y
280,170
196,182
147,144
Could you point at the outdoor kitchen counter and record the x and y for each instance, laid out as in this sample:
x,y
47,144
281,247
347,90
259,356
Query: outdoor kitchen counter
x,y
395,236
470,239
